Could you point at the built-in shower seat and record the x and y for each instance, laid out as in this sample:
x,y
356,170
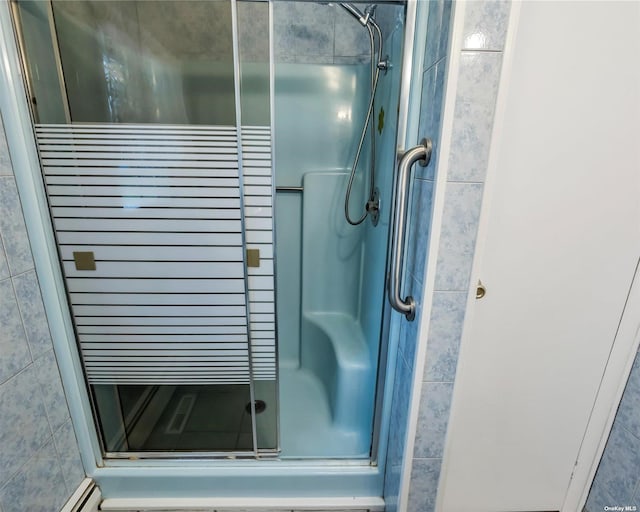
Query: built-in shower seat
x,y
333,345
338,354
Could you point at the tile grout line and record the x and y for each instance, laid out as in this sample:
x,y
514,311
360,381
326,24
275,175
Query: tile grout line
x,y
480,50
3,246
59,455
33,359
4,484
24,329
6,260
40,392
428,180
23,272
461,182
14,375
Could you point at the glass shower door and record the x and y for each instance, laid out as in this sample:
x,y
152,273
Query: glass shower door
x,y
154,138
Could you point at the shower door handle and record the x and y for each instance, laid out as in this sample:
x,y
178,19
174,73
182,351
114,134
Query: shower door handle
x,y
421,154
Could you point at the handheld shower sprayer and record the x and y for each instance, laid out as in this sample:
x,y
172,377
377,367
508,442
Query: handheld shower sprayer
x,y
370,13
362,17
372,205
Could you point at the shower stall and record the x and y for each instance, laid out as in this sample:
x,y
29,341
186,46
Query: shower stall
x,y
220,180
330,294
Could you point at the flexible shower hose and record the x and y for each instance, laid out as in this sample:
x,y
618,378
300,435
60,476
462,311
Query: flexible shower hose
x,y
375,74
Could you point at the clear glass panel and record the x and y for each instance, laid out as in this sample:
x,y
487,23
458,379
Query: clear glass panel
x,y
255,68
144,61
255,107
174,418
47,96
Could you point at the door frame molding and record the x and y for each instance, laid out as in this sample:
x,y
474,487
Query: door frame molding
x,y
24,156
616,373
626,342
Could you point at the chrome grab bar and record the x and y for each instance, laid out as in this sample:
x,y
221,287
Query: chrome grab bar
x,y
421,154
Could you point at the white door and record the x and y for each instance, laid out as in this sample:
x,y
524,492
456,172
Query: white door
x,y
557,247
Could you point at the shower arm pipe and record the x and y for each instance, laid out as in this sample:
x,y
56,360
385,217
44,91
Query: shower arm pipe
x,y
421,154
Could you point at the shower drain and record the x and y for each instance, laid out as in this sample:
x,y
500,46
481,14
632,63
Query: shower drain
x,y
259,405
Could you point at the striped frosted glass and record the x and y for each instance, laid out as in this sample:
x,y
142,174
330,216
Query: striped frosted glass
x,y
258,211
160,208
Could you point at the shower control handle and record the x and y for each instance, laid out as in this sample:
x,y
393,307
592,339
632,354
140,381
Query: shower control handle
x,y
421,154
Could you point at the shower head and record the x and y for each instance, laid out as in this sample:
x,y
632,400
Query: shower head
x,y
365,17
370,10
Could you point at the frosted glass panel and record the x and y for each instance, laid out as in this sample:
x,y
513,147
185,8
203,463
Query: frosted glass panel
x,y
140,269
161,198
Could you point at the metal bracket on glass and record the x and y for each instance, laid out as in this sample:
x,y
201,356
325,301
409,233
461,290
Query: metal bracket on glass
x,y
384,64
373,207
421,154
